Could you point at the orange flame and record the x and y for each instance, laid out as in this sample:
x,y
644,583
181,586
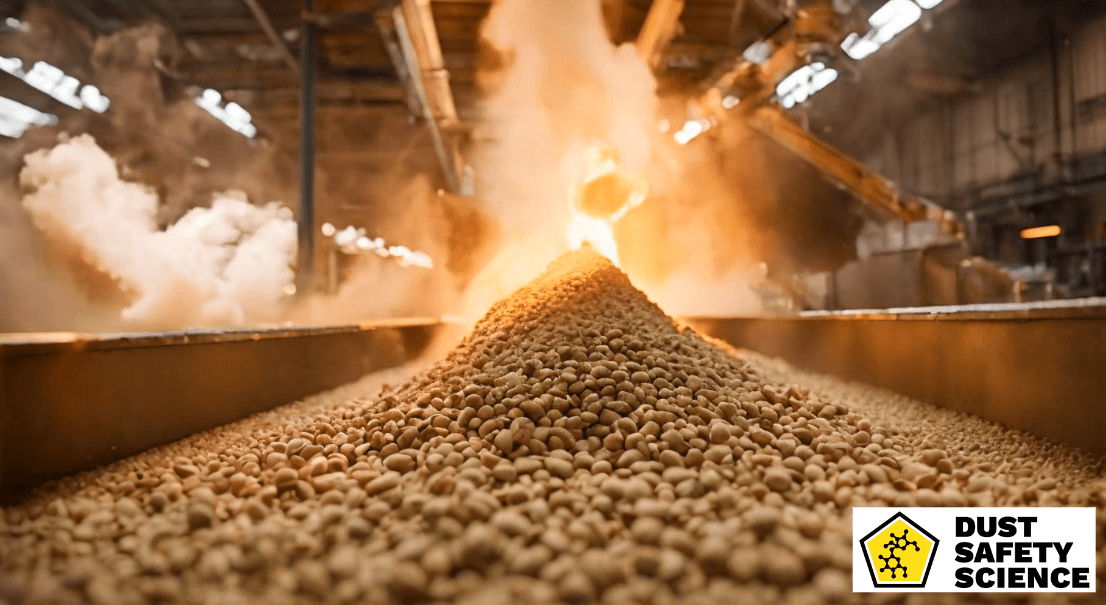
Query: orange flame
x,y
603,197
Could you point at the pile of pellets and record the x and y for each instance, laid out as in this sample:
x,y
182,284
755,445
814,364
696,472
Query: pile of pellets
x,y
577,447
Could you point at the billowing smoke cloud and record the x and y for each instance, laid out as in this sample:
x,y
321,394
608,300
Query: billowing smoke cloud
x,y
564,87
225,265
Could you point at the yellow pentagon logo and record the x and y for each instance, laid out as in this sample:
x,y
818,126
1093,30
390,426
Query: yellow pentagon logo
x,y
899,553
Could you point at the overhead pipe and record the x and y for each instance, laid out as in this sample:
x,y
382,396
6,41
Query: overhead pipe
x,y
418,39
386,26
428,50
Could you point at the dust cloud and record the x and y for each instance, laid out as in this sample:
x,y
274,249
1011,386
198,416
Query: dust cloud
x,y
223,265
106,252
559,88
147,224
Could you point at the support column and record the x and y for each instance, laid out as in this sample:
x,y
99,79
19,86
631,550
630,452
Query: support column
x,y
307,154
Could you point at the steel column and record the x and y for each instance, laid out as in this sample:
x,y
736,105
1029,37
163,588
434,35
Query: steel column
x,y
307,154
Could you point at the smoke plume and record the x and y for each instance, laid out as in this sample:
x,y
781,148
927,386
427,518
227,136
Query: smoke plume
x,y
225,265
561,88
565,86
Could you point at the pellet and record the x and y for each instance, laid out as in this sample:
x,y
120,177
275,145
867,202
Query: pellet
x,y
577,446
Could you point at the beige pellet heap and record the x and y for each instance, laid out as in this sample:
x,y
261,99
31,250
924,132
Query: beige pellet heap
x,y
577,447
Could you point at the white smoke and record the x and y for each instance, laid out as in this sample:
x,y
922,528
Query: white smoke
x,y
562,88
565,87
224,265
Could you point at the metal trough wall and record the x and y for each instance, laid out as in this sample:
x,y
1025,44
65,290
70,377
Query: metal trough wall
x,y
73,401
1037,368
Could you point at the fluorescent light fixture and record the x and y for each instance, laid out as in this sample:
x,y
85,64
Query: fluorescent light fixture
x,y
858,47
54,82
889,21
1040,232
893,18
803,83
16,118
232,114
417,259
928,4
730,101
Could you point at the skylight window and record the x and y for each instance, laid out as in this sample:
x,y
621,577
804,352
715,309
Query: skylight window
x,y
889,21
232,114
893,18
54,82
16,118
803,83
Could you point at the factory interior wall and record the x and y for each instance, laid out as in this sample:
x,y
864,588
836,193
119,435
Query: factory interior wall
x,y
1005,128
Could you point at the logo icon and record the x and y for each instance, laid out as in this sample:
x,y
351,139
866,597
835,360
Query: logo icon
x,y
899,553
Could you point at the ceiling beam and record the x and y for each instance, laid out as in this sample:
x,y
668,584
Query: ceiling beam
x,y
288,115
658,30
243,75
274,37
83,14
342,20
386,26
232,69
339,93
427,50
364,155
941,84
613,12
735,20
167,10
216,26
418,39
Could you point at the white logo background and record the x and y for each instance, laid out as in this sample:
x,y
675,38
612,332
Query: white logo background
x,y
1075,525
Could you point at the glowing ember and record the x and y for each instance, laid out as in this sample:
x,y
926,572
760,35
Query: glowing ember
x,y
604,196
